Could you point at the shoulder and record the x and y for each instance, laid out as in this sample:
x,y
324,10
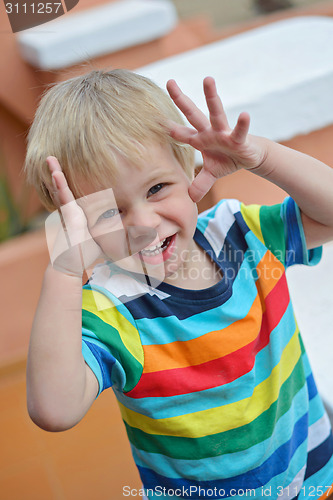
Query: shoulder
x,y
221,207
221,215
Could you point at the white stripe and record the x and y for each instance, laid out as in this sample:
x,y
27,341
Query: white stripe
x,y
294,487
144,496
122,285
318,432
218,227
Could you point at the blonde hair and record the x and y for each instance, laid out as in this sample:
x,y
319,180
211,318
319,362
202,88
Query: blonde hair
x,y
86,121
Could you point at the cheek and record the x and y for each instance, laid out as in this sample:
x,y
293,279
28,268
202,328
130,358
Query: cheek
x,y
181,205
185,214
113,244
187,211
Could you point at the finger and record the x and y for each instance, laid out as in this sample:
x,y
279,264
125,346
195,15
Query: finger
x,y
201,185
53,164
182,133
63,194
194,115
218,118
241,130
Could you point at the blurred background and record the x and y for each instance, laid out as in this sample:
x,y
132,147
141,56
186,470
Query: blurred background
x,y
224,13
93,460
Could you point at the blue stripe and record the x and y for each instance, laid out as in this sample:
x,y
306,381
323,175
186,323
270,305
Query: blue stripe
x,y
231,464
277,463
104,359
316,409
311,386
318,457
296,251
232,392
238,273
162,330
294,246
241,223
233,251
93,365
306,363
296,464
310,257
206,216
257,248
323,478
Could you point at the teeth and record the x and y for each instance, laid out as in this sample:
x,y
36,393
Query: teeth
x,y
151,249
155,250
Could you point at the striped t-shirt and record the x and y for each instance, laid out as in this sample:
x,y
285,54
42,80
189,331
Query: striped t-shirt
x,y
214,386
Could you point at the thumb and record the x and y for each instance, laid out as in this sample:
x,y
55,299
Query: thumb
x,y
201,185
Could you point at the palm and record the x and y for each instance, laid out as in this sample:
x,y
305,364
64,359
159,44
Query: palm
x,y
71,247
221,154
224,150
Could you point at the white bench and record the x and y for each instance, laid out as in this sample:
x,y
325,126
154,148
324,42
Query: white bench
x,y
81,36
282,74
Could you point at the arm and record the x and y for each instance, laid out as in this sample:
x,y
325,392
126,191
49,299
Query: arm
x,y
308,181
60,386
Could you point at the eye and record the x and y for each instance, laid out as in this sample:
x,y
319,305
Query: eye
x,y
155,189
108,214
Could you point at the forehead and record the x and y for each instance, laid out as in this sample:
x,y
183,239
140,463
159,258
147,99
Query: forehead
x,y
156,162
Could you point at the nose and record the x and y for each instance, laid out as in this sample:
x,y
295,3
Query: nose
x,y
141,227
143,215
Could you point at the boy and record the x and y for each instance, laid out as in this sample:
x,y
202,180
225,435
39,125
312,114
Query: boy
x,y
208,366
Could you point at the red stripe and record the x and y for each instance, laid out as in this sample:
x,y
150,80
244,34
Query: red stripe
x,y
220,371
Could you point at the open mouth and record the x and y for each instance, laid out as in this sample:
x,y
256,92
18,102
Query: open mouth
x,y
156,254
157,249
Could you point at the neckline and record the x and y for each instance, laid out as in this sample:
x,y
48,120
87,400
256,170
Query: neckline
x,y
205,293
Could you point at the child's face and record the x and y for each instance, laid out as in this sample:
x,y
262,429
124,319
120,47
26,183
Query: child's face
x,y
146,222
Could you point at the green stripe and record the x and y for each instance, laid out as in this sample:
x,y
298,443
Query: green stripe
x,y
226,442
272,229
110,336
301,344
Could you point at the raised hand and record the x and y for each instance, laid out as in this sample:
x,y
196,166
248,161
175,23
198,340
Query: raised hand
x,y
224,150
71,246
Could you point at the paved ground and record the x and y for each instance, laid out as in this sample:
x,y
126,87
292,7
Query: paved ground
x,y
227,12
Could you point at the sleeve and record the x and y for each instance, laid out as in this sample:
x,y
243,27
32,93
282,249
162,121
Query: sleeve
x,y
111,343
280,229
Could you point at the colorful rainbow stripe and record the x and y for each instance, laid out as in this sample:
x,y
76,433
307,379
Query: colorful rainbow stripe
x,y
214,386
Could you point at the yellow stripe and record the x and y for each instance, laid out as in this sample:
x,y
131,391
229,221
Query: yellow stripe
x,y
102,307
252,218
223,418
208,347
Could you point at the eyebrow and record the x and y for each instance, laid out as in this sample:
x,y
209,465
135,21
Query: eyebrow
x,y
91,206
155,177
